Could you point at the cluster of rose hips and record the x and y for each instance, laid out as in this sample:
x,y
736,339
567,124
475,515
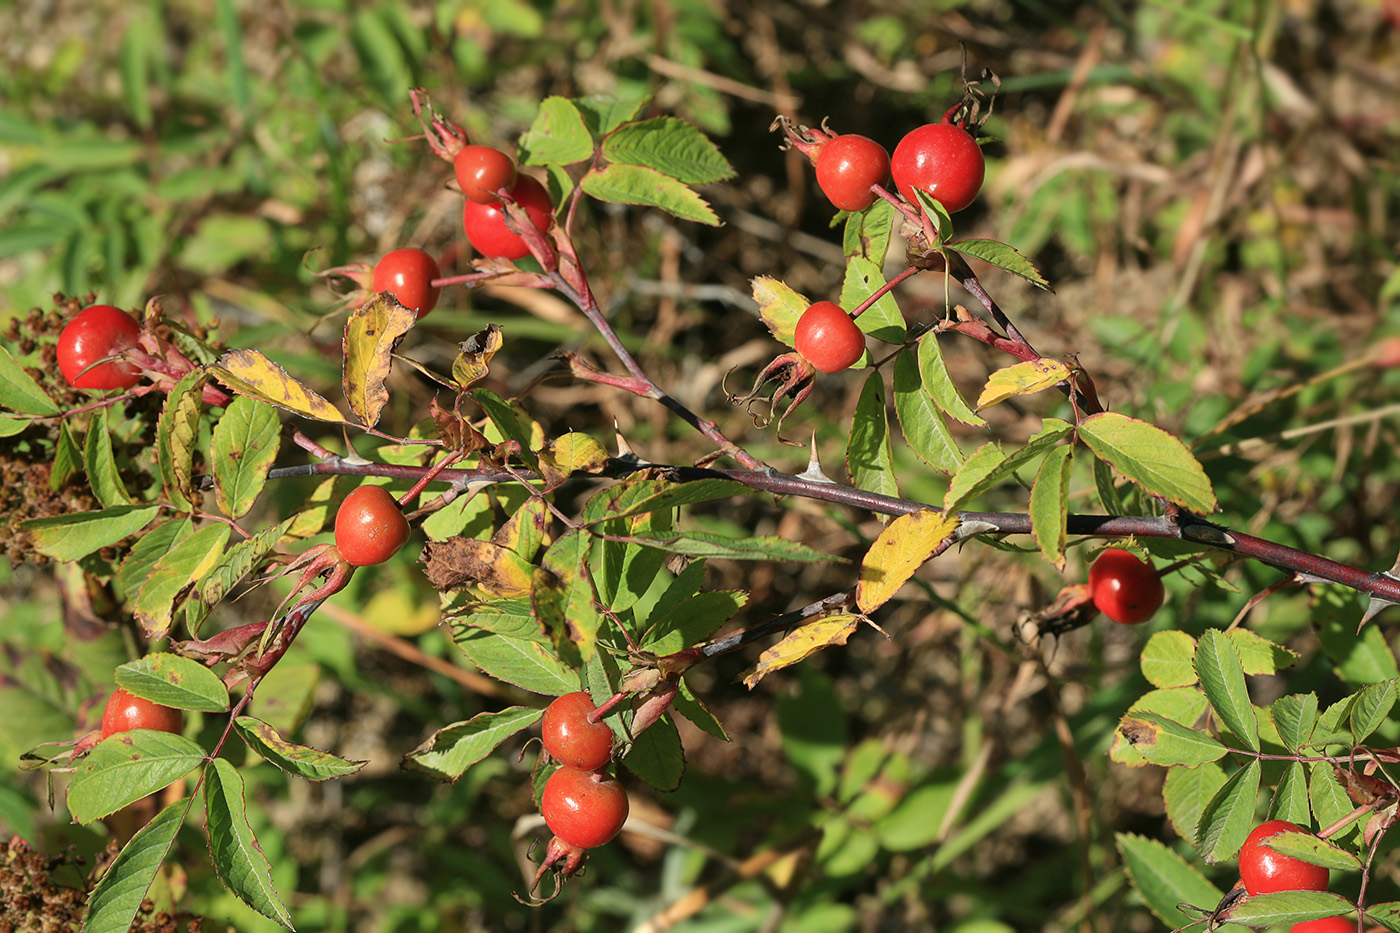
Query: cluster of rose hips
x,y
583,806
940,159
1264,871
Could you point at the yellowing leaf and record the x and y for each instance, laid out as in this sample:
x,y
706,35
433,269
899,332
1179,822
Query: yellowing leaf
x,y
249,373
372,332
1025,378
477,350
900,550
572,453
812,637
779,306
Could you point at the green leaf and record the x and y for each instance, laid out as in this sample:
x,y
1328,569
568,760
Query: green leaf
x,y
882,320
923,426
67,459
1222,677
171,680
148,549
693,620
636,184
1049,504
114,902
867,233
1164,879
308,763
1227,820
1329,799
518,658
101,465
1357,659
1387,915
709,545
869,457
18,392
1163,742
1150,457
1003,257
506,421
655,495
10,425
1291,796
656,756
1258,655
1108,492
558,135
988,466
127,766
450,751
173,574
670,146
1182,705
244,447
1186,792
693,708
1373,704
78,534
237,858
1308,848
939,385
237,561
1288,907
1167,659
605,113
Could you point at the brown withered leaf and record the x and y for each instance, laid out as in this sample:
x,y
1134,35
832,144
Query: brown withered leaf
x,y
372,332
455,431
796,646
459,562
475,357
248,372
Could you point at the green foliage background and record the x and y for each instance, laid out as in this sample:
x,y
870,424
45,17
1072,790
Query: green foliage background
x,y
1211,186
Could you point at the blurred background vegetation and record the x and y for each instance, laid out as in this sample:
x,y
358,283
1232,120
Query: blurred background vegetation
x,y
1211,185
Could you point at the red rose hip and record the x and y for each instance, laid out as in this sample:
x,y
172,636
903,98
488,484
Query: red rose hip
x,y
1265,871
828,337
96,333
1124,588
370,527
583,808
485,224
570,738
126,711
407,274
846,168
942,160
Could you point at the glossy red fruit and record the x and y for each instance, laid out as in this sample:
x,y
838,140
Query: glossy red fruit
x,y
370,526
127,711
94,334
570,738
482,171
485,224
828,338
943,160
1265,871
846,168
1325,925
583,808
1124,588
406,274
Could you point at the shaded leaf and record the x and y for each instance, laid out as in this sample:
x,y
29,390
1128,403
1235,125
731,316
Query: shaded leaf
x,y
636,184
1222,677
244,446
1164,879
372,332
237,857
450,751
113,904
305,762
127,766
1227,820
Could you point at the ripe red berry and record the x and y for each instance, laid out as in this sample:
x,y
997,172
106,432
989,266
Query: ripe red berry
x,y
846,168
1325,925
482,171
1265,871
570,738
941,159
828,337
485,224
406,274
583,808
97,333
126,711
1124,588
370,526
